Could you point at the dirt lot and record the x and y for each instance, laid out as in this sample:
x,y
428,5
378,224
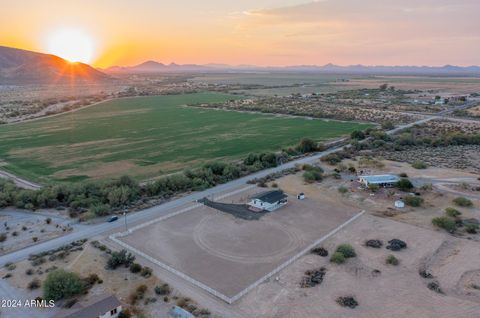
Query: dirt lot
x,y
398,291
21,229
229,254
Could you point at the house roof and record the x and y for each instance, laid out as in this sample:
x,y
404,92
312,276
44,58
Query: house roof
x,y
91,310
270,196
178,312
381,178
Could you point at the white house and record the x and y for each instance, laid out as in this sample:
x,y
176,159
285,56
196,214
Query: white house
x,y
268,201
383,180
104,307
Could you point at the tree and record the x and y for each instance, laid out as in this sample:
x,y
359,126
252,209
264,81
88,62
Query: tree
x,y
445,223
404,184
62,284
357,135
383,87
120,258
307,145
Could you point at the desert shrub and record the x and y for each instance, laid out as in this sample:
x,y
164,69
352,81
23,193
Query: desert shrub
x,y
306,145
342,189
100,209
48,220
347,301
472,228
29,271
337,258
346,250
146,272
445,223
120,258
404,184
61,284
403,175
427,187
392,260
34,238
462,201
10,266
451,212
419,165
163,289
34,284
3,237
312,176
412,200
357,135
135,268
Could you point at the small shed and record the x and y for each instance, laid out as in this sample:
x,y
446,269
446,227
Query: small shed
x,y
399,204
301,196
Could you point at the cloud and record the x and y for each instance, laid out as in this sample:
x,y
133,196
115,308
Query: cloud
x,y
372,29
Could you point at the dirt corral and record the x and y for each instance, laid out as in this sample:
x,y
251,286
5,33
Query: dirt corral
x,y
227,253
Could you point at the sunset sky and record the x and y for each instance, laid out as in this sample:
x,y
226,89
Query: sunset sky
x,y
262,32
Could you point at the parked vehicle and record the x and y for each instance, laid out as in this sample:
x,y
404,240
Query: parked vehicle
x,y
113,218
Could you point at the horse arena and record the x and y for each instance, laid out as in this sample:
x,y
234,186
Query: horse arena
x,y
228,256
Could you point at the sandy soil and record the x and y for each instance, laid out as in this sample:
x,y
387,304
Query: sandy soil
x,y
396,292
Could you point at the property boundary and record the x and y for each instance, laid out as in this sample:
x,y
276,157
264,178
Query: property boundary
x,y
229,300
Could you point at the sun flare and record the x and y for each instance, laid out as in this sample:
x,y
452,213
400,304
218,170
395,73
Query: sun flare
x,y
71,44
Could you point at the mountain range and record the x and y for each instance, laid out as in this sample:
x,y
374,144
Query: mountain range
x,y
157,67
19,66
24,67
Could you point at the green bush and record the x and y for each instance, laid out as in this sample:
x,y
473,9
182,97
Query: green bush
x,y
312,176
445,223
342,189
135,268
392,260
462,201
307,145
100,209
472,228
120,258
346,250
337,258
451,212
419,165
404,184
163,289
413,200
61,284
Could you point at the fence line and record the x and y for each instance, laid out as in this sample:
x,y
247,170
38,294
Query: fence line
x,y
294,258
212,291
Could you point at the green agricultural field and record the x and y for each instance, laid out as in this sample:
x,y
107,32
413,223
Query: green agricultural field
x,y
148,136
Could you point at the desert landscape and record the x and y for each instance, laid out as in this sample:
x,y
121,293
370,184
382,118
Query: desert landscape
x,y
249,159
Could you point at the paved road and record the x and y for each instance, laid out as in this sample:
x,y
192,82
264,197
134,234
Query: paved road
x,y
166,208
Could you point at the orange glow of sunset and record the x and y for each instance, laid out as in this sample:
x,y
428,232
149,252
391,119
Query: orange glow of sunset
x,y
73,45
261,32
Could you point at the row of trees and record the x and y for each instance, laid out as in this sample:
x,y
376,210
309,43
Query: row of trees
x,y
102,197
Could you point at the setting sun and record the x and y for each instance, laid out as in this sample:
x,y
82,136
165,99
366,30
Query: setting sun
x,y
71,44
